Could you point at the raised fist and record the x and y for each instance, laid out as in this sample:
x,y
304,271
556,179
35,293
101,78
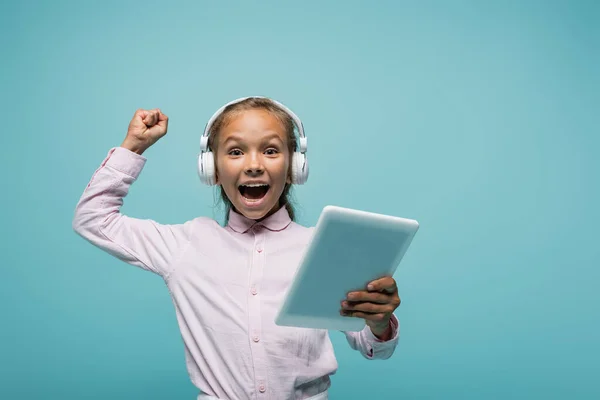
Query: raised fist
x,y
145,128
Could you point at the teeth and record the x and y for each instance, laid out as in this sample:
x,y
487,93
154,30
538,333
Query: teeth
x,y
256,185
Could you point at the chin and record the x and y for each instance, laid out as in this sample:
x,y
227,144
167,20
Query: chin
x,y
254,214
255,210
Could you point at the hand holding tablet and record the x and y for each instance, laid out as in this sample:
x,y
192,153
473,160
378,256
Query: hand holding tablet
x,y
375,305
349,249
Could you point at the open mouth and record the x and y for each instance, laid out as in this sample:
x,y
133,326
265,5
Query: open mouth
x,y
253,192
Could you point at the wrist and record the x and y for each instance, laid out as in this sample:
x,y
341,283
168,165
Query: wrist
x,y
382,331
138,149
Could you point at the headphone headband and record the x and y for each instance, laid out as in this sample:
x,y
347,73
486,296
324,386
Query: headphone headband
x,y
209,124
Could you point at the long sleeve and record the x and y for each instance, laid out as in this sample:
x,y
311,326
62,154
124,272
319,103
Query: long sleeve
x,y
370,346
142,243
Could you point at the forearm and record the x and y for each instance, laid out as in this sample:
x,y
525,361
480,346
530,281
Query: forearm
x,y
97,216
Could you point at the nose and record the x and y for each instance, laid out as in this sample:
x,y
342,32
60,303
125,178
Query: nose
x,y
254,165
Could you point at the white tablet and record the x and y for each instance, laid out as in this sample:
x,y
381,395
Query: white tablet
x,y
349,249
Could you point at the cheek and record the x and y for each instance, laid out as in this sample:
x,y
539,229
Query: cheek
x,y
223,169
282,166
223,174
280,171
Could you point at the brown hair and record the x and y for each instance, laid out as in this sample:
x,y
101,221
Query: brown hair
x,y
254,103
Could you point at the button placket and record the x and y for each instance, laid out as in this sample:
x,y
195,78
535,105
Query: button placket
x,y
259,357
258,238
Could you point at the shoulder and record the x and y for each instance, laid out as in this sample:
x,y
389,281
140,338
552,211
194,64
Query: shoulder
x,y
201,224
303,233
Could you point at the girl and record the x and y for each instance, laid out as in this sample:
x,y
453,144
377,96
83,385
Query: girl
x,y
227,282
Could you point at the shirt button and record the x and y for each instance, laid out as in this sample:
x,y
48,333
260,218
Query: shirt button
x,y
259,249
253,290
255,338
262,388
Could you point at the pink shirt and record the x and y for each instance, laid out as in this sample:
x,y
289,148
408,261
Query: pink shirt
x,y
226,284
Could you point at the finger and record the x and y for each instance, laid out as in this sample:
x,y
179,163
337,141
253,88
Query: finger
x,y
368,307
386,284
373,297
367,316
141,114
163,119
146,114
151,119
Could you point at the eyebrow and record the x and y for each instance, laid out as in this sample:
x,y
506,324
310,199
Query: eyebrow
x,y
235,138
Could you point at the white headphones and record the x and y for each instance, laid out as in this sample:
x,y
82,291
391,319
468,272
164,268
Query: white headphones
x,y
206,160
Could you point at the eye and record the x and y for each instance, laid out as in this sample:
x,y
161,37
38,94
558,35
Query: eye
x,y
271,151
231,152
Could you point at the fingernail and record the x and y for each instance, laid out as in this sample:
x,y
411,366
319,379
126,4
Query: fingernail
x,y
370,287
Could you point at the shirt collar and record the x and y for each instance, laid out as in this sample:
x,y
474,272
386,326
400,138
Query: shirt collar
x,y
277,221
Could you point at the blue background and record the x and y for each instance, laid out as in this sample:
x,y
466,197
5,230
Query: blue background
x,y
479,119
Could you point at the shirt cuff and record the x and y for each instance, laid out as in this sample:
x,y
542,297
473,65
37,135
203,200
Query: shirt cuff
x,y
125,161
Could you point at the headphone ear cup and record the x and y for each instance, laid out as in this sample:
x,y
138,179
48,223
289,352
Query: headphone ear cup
x,y
206,168
299,168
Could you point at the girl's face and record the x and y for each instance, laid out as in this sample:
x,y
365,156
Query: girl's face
x,y
252,162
